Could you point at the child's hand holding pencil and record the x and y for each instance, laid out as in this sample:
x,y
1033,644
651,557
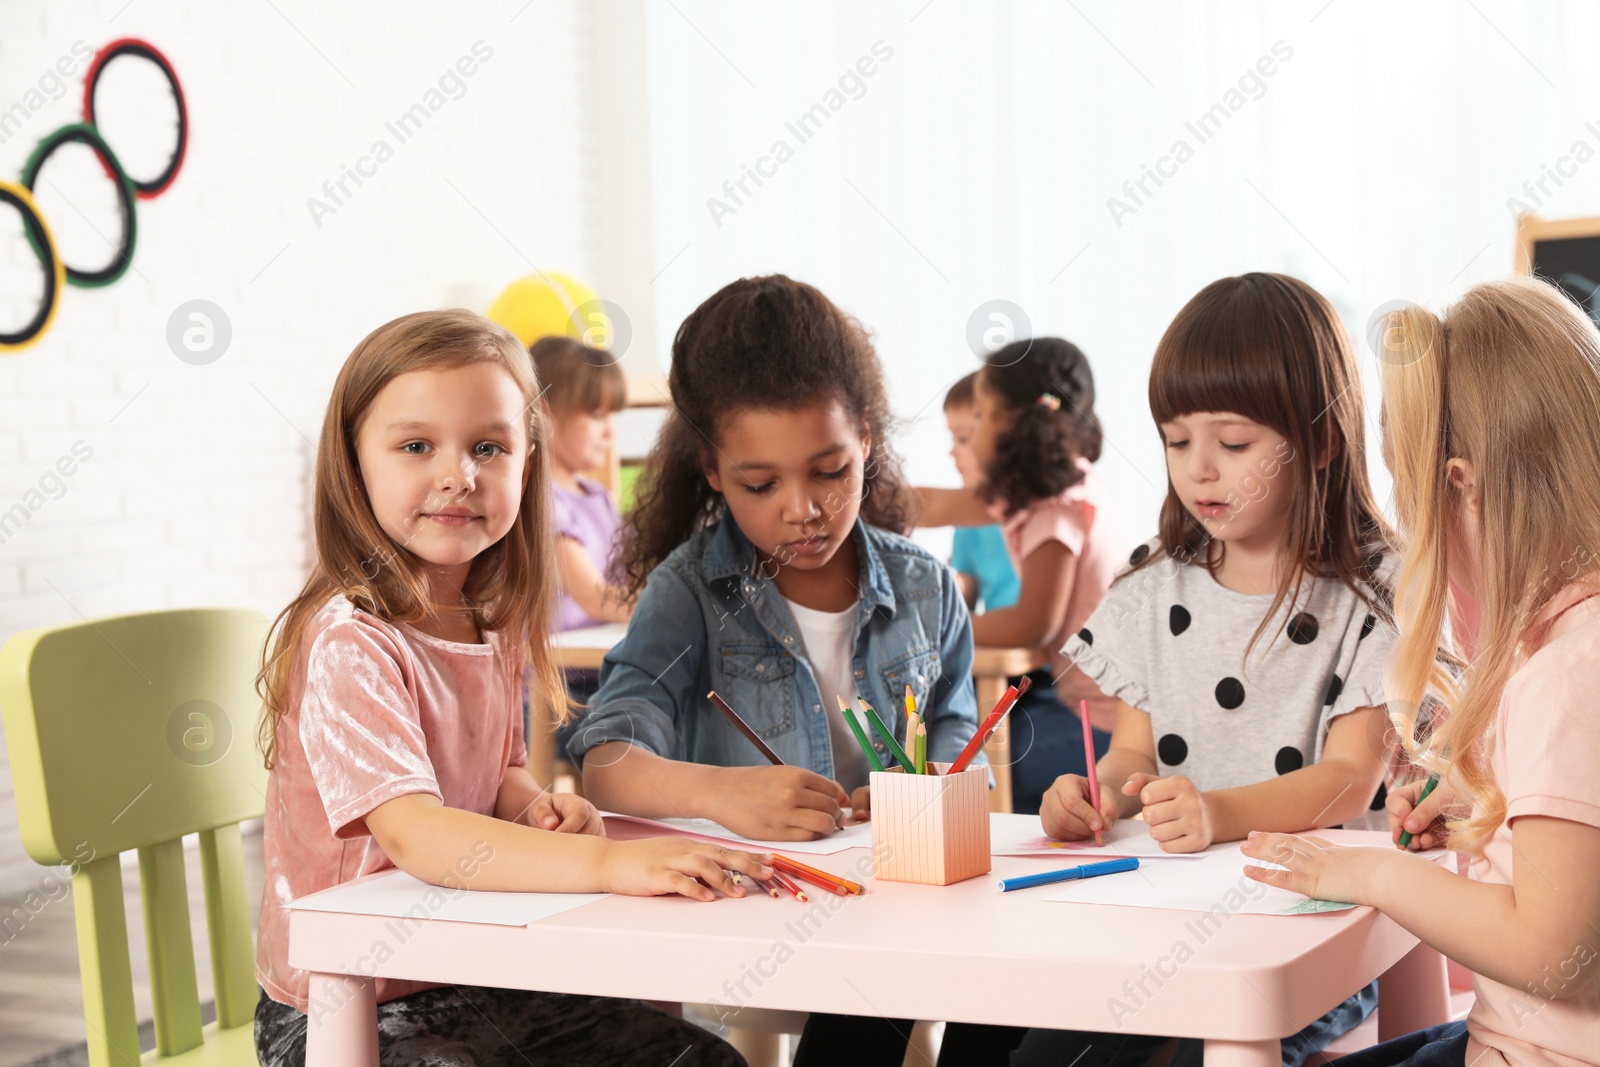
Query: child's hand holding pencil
x,y
1067,813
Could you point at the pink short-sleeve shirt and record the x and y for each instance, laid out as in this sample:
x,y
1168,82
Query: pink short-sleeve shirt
x,y
1083,520
1546,749
376,710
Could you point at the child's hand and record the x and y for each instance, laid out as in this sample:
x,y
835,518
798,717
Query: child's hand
x,y
1426,823
861,804
564,813
1178,814
1317,868
1066,813
779,803
658,866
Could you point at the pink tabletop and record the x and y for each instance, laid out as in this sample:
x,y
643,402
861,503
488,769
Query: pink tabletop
x,y
964,952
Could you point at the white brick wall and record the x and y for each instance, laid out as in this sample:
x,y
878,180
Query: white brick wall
x,y
196,494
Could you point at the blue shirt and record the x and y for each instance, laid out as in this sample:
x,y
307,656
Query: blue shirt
x,y
981,552
710,618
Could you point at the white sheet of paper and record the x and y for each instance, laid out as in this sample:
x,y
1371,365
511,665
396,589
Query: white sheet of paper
x,y
398,894
1215,882
856,835
1021,835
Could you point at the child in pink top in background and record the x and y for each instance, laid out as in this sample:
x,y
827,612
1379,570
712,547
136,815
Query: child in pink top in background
x,y
391,687
1036,438
1488,420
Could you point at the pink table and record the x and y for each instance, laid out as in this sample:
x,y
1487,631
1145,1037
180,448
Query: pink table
x,y
986,957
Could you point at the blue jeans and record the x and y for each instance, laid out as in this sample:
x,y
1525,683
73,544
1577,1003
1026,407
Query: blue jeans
x,y
1046,742
1437,1046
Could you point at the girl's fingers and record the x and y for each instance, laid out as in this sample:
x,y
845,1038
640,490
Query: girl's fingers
x,y
1269,875
712,873
1137,781
751,863
674,882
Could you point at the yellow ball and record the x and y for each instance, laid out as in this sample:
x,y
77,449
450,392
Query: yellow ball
x,y
542,305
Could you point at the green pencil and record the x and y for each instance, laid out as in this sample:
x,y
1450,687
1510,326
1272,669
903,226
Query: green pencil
x,y
922,748
895,750
861,737
1433,780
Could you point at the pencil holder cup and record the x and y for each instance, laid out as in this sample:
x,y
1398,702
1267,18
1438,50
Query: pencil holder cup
x,y
930,828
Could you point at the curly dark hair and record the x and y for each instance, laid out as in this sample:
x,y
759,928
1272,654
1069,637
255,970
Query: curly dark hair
x,y
1037,457
766,343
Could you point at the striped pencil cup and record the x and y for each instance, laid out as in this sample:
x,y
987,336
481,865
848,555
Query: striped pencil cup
x,y
930,828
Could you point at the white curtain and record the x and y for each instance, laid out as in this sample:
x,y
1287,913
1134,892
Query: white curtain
x,y
1369,148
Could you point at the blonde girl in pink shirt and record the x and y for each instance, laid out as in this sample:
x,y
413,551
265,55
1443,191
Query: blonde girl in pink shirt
x,y
393,725
1489,418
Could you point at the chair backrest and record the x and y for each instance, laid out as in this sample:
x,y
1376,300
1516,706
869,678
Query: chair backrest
x,y
129,733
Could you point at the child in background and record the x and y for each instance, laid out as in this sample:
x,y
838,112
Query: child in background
x,y
1035,439
584,390
978,553
391,690
1245,645
1489,431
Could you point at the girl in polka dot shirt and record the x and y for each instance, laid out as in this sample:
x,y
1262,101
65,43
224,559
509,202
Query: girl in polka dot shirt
x,y
1245,644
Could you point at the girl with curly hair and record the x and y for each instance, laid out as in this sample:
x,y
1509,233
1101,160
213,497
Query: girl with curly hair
x,y
767,558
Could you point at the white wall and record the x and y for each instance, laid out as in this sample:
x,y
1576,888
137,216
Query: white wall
x,y
196,494
977,162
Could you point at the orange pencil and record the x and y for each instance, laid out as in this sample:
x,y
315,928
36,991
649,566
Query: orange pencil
x,y
842,886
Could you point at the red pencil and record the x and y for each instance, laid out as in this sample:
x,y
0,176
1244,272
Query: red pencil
x,y
744,728
1088,754
767,885
799,894
1001,709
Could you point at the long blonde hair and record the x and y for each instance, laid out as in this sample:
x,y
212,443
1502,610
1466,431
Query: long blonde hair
x,y
511,584
1508,380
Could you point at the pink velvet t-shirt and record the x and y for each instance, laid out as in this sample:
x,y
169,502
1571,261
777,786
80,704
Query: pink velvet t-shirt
x,y
1546,750
1081,518
376,710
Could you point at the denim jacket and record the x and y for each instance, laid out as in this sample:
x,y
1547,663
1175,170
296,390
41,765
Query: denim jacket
x,y
709,618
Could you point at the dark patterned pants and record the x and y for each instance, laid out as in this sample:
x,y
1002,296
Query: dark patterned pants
x,y
473,1026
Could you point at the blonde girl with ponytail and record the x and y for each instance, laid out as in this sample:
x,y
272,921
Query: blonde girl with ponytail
x,y
1489,430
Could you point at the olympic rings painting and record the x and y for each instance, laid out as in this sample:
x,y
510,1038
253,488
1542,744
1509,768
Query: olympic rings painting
x,y
129,189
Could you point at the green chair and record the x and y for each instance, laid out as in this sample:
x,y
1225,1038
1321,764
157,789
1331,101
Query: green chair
x,y
128,733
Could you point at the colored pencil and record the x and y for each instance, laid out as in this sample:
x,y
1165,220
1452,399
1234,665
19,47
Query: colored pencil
x,y
1088,755
1088,870
799,894
895,750
794,866
820,883
765,883
922,748
861,738
1433,780
913,720
744,728
1001,709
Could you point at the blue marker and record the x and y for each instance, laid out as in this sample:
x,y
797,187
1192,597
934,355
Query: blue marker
x,y
1088,870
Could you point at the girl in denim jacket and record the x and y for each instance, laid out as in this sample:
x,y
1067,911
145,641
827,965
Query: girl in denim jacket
x,y
768,565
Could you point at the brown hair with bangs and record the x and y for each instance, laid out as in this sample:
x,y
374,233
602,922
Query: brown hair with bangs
x,y
510,585
1270,348
578,377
